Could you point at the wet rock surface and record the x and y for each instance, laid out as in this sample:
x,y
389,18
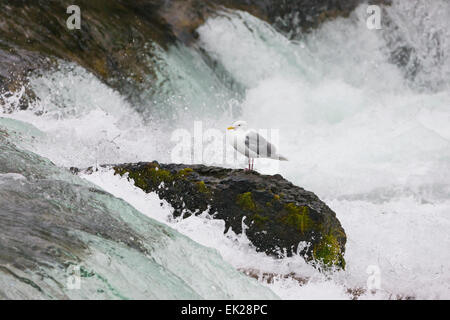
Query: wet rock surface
x,y
279,218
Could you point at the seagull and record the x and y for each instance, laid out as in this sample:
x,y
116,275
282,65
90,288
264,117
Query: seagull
x,y
251,144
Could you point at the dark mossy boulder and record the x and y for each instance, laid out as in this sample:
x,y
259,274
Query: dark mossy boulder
x,y
281,218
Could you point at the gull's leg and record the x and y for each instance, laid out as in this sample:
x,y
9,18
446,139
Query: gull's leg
x,y
248,163
253,162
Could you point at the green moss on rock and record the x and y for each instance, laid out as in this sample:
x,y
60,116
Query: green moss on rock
x,y
298,217
151,174
259,220
201,187
245,201
183,173
328,252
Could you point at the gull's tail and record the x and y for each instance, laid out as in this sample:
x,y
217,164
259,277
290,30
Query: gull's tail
x,y
281,158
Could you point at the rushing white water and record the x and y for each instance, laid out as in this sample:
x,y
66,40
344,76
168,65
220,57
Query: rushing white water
x,y
368,134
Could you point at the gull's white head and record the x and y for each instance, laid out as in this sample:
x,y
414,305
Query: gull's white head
x,y
238,125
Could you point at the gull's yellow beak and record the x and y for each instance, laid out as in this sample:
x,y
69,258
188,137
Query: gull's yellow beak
x,y
231,128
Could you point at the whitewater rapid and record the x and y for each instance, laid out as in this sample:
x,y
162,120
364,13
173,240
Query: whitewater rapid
x,y
370,136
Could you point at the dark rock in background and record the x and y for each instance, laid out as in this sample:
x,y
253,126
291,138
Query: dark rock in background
x,y
116,35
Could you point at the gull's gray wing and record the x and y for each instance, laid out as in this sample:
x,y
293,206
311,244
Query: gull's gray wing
x,y
257,144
